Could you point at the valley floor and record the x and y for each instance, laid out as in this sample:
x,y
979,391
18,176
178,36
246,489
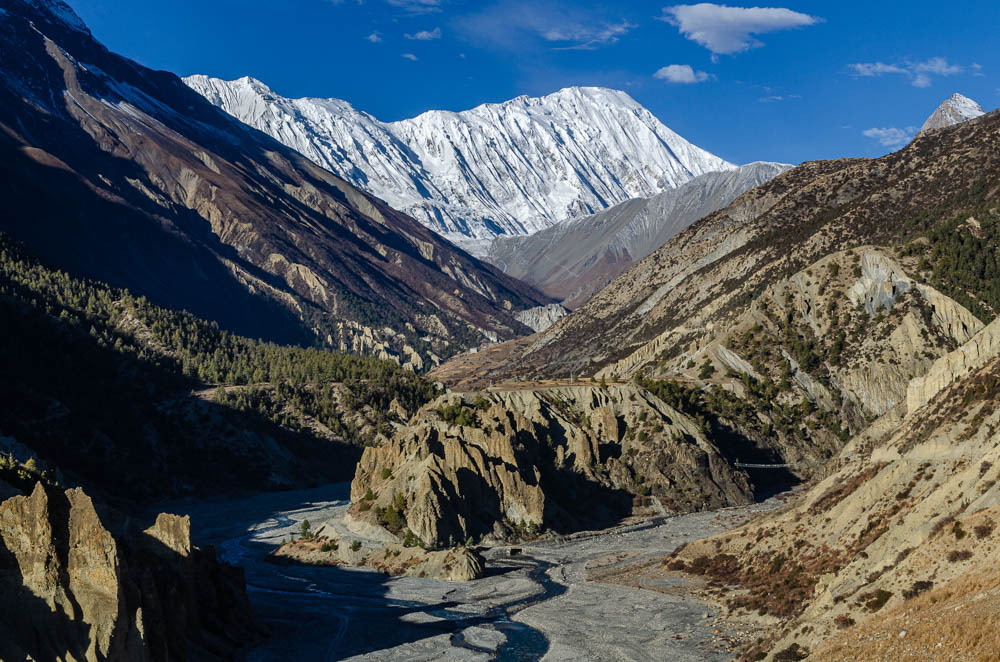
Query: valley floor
x,y
540,603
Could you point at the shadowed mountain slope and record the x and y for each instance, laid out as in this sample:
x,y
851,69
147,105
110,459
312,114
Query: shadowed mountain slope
x,y
122,173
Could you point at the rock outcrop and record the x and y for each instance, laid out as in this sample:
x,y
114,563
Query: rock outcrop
x,y
979,350
510,462
73,591
541,317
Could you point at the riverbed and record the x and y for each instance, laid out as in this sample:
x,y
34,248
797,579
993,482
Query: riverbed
x,y
534,603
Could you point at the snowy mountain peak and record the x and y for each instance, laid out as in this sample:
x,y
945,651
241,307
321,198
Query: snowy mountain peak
x,y
509,168
61,11
954,110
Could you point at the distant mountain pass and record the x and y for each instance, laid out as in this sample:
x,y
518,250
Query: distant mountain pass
x,y
574,259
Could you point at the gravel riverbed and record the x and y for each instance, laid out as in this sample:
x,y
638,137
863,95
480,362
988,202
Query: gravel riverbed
x,y
539,603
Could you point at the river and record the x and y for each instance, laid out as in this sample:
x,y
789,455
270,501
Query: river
x,y
537,604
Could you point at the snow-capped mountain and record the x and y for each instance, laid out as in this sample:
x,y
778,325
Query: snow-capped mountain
x,y
509,168
954,110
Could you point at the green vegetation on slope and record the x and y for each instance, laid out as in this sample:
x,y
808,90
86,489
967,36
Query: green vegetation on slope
x,y
97,379
963,253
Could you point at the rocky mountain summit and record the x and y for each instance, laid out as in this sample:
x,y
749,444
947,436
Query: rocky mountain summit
x,y
509,168
162,192
954,110
574,259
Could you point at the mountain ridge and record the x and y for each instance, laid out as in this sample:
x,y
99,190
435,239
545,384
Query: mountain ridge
x,y
165,194
573,259
508,168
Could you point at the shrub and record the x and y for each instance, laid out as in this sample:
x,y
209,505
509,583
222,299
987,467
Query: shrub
x,y
386,473
356,545
917,588
843,621
329,546
957,529
876,599
410,539
793,653
369,495
983,530
956,555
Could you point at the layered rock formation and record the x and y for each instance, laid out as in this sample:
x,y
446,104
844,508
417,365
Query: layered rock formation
x,y
511,463
73,591
114,171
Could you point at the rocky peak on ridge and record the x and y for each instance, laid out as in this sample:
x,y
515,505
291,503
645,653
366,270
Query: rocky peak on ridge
x,y
953,110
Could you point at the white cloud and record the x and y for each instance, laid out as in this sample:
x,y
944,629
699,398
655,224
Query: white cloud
x,y
374,37
417,6
517,24
410,56
919,73
681,73
891,136
724,30
425,35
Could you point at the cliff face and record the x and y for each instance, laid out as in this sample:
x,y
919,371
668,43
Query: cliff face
x,y
508,463
910,508
73,591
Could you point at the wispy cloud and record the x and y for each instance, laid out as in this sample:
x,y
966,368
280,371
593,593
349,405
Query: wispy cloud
x,y
778,98
919,72
374,37
725,30
587,37
425,35
410,56
891,136
417,6
682,74
512,24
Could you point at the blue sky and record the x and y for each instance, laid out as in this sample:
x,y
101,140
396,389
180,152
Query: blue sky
x,y
792,82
